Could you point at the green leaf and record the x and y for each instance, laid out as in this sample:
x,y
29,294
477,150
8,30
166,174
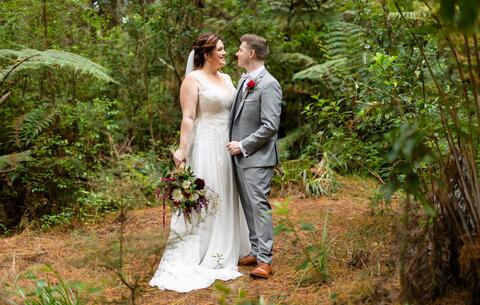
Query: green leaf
x,y
261,301
304,265
307,226
279,228
320,71
219,286
281,208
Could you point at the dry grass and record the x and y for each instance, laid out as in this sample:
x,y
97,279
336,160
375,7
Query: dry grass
x,y
361,264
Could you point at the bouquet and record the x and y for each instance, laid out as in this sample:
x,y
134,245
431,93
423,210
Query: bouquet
x,y
185,194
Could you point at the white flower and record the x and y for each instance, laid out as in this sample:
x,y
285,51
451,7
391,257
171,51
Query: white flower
x,y
177,195
194,197
186,184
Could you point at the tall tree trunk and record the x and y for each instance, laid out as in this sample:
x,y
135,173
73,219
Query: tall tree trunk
x,y
146,77
45,24
47,75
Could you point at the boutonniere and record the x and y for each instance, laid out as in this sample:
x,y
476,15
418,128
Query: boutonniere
x,y
251,85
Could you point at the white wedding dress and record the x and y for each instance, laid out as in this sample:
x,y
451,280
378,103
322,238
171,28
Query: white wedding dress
x,y
197,254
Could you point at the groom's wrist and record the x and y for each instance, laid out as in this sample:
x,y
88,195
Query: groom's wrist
x,y
244,152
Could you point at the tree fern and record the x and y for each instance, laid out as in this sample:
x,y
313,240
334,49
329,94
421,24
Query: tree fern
x,y
297,59
344,49
33,59
324,70
29,126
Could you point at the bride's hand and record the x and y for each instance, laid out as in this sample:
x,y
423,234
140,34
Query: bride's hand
x,y
179,157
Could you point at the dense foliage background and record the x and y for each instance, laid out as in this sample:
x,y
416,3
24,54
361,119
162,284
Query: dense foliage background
x,y
387,89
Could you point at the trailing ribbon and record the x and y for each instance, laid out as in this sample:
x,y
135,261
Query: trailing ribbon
x,y
163,220
157,195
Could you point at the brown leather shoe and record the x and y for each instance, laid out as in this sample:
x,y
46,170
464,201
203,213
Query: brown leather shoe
x,y
263,271
248,260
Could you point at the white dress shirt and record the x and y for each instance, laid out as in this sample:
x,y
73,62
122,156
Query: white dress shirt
x,y
250,76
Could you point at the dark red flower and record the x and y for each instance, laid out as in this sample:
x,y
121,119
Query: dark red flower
x,y
199,183
251,84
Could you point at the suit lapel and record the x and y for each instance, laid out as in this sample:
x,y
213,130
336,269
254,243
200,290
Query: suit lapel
x,y
247,92
240,86
235,101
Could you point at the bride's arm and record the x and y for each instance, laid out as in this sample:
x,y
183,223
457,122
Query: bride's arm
x,y
188,102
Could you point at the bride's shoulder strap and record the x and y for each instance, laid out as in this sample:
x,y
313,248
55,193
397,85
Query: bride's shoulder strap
x,y
197,76
226,77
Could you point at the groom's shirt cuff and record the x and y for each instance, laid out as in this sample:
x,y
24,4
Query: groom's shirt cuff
x,y
244,152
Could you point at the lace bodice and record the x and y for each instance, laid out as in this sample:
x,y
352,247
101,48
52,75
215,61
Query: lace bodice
x,y
214,101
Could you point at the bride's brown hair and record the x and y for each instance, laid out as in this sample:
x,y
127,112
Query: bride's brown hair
x,y
204,46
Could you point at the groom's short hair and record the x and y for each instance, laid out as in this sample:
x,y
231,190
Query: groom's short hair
x,y
256,43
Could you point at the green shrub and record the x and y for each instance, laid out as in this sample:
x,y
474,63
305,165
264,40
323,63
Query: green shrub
x,y
50,291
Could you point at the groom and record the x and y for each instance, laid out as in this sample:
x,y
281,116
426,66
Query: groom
x,y
254,121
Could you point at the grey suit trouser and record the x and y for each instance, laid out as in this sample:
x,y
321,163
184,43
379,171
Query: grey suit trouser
x,y
254,186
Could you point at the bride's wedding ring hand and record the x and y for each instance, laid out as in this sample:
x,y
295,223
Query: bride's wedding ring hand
x,y
182,165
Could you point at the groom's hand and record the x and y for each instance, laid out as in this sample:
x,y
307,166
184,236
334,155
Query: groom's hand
x,y
234,148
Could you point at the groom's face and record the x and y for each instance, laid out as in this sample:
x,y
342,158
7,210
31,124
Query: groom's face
x,y
244,55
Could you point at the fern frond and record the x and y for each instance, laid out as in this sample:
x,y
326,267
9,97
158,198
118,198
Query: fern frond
x,y
321,71
415,15
298,59
343,39
31,59
10,161
343,45
27,127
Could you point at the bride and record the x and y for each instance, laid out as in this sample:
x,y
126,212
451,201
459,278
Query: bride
x,y
196,255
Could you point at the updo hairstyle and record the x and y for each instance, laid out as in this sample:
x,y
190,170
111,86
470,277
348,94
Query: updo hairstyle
x,y
204,46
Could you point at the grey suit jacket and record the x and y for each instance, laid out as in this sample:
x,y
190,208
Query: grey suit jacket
x,y
254,121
